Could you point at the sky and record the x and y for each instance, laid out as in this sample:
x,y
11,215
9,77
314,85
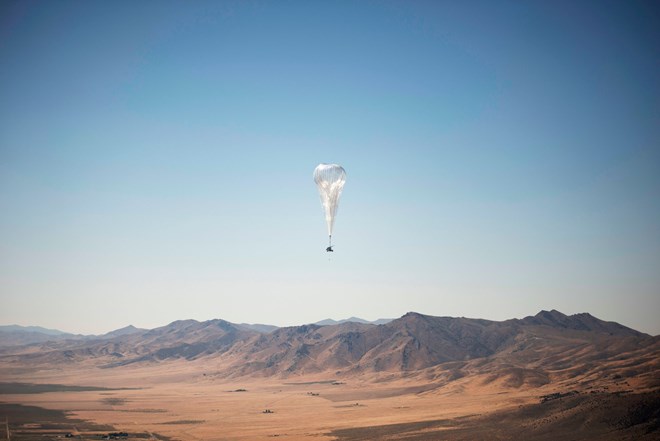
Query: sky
x,y
156,160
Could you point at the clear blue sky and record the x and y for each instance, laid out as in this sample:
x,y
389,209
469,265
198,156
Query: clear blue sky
x,y
156,160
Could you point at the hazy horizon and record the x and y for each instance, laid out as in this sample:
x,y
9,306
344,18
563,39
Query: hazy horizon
x,y
156,161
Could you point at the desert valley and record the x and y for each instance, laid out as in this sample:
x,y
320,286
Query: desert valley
x,y
419,377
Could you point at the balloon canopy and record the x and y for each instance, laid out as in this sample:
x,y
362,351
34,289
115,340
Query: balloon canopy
x,y
330,180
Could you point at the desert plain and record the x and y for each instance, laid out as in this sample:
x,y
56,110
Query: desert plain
x,y
182,401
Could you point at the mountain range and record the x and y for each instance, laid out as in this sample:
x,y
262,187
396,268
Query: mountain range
x,y
533,351
16,335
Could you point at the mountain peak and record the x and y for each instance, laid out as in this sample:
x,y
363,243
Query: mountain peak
x,y
413,314
552,314
579,322
126,330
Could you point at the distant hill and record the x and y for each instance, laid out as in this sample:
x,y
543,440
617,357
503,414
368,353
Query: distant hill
x,y
331,322
259,327
37,329
15,335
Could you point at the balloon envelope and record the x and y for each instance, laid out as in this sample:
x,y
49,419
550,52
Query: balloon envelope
x,y
330,180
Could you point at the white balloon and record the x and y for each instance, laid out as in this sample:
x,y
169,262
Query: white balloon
x,y
330,180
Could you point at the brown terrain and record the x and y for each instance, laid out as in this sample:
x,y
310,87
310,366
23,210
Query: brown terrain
x,y
419,377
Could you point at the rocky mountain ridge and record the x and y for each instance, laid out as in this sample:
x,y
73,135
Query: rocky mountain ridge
x,y
534,350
